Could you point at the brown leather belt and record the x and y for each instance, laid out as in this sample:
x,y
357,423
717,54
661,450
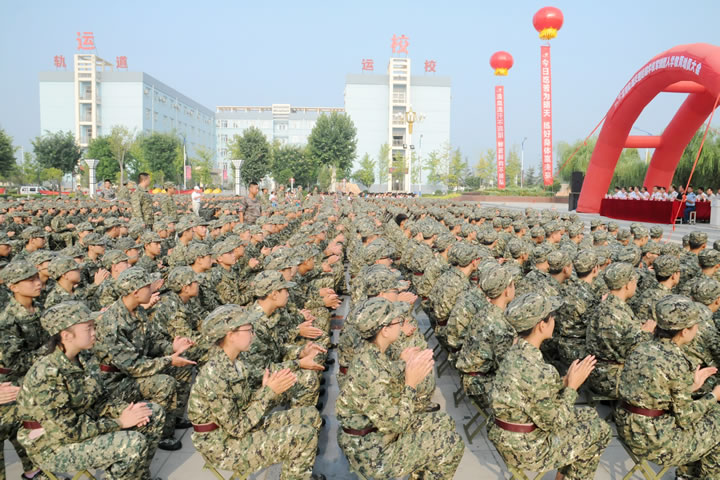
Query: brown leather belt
x,y
418,274
442,323
109,369
5,371
343,370
359,433
31,425
647,412
205,427
516,427
425,299
476,374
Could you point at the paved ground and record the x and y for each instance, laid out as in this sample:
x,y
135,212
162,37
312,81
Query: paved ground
x,y
481,460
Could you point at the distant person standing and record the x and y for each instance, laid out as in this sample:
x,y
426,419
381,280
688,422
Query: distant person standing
x,y
196,197
108,192
252,207
690,199
141,201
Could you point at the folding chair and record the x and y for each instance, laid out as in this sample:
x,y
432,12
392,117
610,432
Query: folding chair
x,y
459,395
519,474
642,465
482,416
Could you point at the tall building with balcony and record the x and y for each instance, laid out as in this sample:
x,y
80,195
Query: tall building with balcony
x,y
93,98
284,123
380,107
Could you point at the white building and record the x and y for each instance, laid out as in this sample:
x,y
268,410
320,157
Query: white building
x,y
379,106
93,98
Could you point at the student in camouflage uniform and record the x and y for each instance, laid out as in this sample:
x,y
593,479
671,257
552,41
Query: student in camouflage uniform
x,y
659,420
225,279
704,349
115,262
234,429
67,274
488,337
135,357
168,207
667,276
70,422
251,205
141,201
537,426
381,433
613,330
151,259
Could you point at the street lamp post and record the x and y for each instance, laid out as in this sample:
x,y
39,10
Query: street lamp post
x,y
91,163
420,164
647,150
237,164
522,162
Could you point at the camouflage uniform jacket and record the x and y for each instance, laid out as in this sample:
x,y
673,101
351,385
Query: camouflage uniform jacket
x,y
168,207
528,390
148,264
644,307
540,282
131,343
68,399
58,295
704,349
267,349
579,300
612,333
141,204
658,376
106,293
177,257
122,193
471,304
175,319
227,287
689,266
373,395
486,344
225,395
252,209
446,291
433,270
21,339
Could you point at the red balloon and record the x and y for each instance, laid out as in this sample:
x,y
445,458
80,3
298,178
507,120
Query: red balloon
x,y
548,18
501,60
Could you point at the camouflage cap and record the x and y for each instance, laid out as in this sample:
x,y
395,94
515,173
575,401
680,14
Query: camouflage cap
x,y
585,261
17,271
516,248
708,258
377,313
269,281
221,248
39,257
618,274
281,259
600,236
126,243
227,318
379,249
64,315
652,247
494,280
540,253
487,237
576,229
641,231
612,226
94,239
185,223
676,312
305,252
61,265
33,232
527,310
623,234
179,277
380,278
656,232
537,232
167,185
131,280
4,239
113,257
150,237
111,222
196,250
716,245
462,253
697,239
84,227
557,260
595,222
551,227
706,290
666,265
629,254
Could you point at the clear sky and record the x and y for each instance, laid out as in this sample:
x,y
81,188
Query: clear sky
x,y
259,53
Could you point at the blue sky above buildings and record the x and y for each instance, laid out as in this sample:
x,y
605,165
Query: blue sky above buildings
x,y
259,53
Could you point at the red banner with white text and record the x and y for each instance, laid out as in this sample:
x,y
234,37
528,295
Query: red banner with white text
x,y
546,86
500,135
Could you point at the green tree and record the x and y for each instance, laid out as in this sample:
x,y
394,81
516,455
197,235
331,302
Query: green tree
x,y
433,166
292,161
107,166
157,155
324,178
512,168
366,173
579,162
7,154
457,170
202,166
254,150
121,141
416,163
383,163
707,170
531,179
333,141
630,169
486,168
57,150
53,175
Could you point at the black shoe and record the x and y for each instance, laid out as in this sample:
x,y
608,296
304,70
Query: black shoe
x,y
319,406
329,361
321,392
332,345
182,423
170,444
431,407
322,424
322,380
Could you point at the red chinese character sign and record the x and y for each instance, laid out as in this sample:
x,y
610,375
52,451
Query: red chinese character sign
x,y
501,62
121,62
368,65
547,21
85,41
430,66
400,44
59,61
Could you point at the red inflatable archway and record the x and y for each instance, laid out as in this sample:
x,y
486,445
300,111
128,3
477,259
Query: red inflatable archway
x,y
693,69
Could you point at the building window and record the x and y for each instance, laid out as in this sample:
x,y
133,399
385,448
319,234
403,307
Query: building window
x,y
224,124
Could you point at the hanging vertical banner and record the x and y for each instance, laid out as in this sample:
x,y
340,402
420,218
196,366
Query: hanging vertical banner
x,y
188,172
546,85
225,172
500,135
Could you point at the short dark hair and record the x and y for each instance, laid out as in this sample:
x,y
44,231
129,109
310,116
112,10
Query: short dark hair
x,y
665,333
107,180
400,217
142,176
253,183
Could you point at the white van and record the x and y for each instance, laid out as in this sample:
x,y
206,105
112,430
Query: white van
x,y
30,190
